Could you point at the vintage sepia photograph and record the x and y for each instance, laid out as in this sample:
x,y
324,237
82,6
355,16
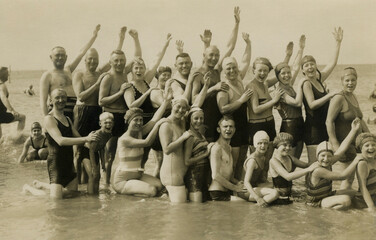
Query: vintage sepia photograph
x,y
199,119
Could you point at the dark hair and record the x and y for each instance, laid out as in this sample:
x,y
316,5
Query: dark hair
x,y
162,70
226,118
118,52
182,55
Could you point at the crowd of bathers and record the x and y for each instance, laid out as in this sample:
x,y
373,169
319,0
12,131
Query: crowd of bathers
x,y
211,135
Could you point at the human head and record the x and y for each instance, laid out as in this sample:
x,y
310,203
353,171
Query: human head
x,y
4,74
138,68
132,113
230,68
179,107
349,79
309,67
58,57
92,60
211,56
282,138
261,68
366,143
226,127
261,141
324,153
283,72
59,98
106,121
195,118
117,61
183,64
163,74
36,129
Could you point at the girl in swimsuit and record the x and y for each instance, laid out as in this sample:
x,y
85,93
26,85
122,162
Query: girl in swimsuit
x,y
316,99
283,166
172,135
38,142
129,177
343,109
366,172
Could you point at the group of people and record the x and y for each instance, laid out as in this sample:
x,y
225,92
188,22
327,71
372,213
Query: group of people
x,y
211,135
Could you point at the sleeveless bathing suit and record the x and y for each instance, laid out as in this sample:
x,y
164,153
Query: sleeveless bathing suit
x,y
257,172
280,182
37,148
5,117
146,106
316,193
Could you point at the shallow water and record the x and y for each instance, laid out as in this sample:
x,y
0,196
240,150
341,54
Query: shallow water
x,y
112,216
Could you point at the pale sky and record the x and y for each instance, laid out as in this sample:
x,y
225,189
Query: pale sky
x,y
30,28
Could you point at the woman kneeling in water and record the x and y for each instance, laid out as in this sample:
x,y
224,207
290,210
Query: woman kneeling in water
x,y
129,177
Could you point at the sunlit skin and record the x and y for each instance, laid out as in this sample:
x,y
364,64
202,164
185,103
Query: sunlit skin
x,y
324,159
369,150
179,110
58,57
262,146
36,132
117,62
197,119
136,124
261,72
227,129
92,60
163,77
309,69
211,56
284,149
59,100
183,65
107,125
285,75
349,83
138,71
231,71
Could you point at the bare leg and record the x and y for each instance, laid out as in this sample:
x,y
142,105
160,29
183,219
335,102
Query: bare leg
x,y
195,197
311,152
21,123
41,185
158,156
297,150
111,148
43,153
338,202
32,190
177,194
93,181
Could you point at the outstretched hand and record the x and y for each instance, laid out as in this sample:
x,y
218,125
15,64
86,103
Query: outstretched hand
x,y
302,41
289,48
246,37
356,124
206,37
133,33
122,32
179,46
96,30
338,34
237,14
169,37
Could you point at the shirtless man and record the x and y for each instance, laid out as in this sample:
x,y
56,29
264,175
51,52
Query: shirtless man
x,y
61,76
111,92
222,164
7,112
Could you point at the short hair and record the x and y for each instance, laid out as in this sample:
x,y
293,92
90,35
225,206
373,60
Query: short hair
x,y
226,118
105,115
132,113
162,70
262,60
57,48
182,55
58,90
281,138
352,72
117,52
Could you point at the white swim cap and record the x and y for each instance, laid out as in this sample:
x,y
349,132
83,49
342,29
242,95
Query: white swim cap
x,y
324,147
260,135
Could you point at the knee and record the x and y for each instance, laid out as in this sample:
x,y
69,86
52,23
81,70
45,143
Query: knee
x,y
152,191
43,153
346,201
274,194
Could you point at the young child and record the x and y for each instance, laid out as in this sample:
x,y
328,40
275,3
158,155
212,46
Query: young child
x,y
372,119
91,152
29,91
283,166
366,172
259,190
319,181
38,143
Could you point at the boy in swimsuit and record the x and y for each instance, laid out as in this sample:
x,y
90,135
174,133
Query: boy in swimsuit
x,y
258,189
221,163
38,142
94,150
319,181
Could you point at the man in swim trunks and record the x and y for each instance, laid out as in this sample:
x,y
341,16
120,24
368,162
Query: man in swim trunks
x,y
61,77
7,112
222,164
111,92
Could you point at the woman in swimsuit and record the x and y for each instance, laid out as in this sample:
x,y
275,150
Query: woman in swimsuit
x,y
172,135
316,99
343,109
38,142
366,172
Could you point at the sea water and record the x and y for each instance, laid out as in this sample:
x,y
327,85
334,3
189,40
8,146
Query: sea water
x,y
113,216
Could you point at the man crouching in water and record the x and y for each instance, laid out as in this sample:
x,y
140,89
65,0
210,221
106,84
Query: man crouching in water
x,y
221,163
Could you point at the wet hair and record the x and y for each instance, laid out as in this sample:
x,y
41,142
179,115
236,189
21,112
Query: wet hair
x,y
279,68
106,115
226,118
190,113
362,138
349,71
260,135
161,70
36,125
282,138
324,146
262,60
132,113
182,55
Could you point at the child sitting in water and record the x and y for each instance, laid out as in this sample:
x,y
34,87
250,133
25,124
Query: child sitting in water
x,y
319,181
38,143
29,91
366,172
283,166
259,190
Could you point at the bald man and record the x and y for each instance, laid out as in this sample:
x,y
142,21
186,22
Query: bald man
x,y
61,76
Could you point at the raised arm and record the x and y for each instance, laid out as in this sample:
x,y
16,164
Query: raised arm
x,y
200,98
224,104
338,36
206,38
232,41
324,173
246,61
79,89
83,51
44,90
149,75
298,59
289,50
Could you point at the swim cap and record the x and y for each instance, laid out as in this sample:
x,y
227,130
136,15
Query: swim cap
x,y
132,113
324,146
282,138
362,138
307,58
279,68
260,135
229,60
262,60
179,99
349,71
36,125
106,115
194,109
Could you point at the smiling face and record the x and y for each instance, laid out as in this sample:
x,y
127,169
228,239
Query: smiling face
x,y
58,57
368,149
92,60
211,56
197,119
163,77
349,83
231,71
138,71
107,124
284,149
285,75
309,69
179,109
262,145
226,129
36,132
117,62
59,99
324,158
261,72
136,123
183,65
